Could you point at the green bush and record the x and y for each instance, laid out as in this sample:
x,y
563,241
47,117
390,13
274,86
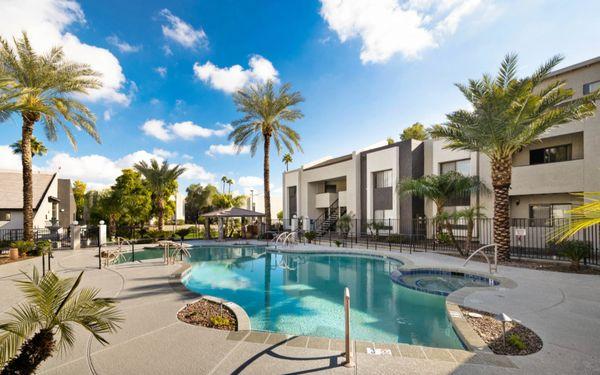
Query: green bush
x,y
219,321
575,250
43,247
310,236
444,238
158,234
183,233
25,247
338,243
516,341
398,238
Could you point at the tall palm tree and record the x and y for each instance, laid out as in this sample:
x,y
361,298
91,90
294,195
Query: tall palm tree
x,y
44,85
37,147
267,110
53,306
287,159
162,182
229,183
223,182
510,113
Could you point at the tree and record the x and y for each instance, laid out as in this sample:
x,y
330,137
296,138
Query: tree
x,y
133,198
390,141
267,111
581,217
79,196
37,147
199,200
223,182
416,131
44,85
162,182
229,183
510,113
52,307
287,159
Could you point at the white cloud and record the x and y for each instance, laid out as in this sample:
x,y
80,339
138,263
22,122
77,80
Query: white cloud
x,y
182,32
187,156
387,27
164,153
185,130
161,70
122,45
156,128
107,115
46,22
250,181
196,172
167,50
8,160
230,79
229,149
154,101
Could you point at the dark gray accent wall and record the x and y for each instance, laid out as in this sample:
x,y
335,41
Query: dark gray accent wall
x,y
382,198
410,165
292,201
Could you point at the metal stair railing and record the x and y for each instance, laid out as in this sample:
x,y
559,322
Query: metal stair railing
x,y
493,267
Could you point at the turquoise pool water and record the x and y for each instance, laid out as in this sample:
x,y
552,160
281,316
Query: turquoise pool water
x,y
302,294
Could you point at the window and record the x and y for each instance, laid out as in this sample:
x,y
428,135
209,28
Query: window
x,y
4,215
461,166
543,215
382,179
330,188
550,154
591,87
382,216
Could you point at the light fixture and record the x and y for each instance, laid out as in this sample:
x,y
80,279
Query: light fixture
x,y
504,319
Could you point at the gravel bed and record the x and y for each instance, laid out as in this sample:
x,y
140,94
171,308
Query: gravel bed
x,y
201,312
490,330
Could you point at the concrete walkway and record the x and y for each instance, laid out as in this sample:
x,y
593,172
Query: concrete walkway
x,y
564,309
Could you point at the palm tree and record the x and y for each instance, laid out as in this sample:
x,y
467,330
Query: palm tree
x,y
44,85
223,182
510,113
53,306
229,183
266,112
162,182
441,188
37,147
287,159
581,217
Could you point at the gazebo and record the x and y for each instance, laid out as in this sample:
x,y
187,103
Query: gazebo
x,y
233,212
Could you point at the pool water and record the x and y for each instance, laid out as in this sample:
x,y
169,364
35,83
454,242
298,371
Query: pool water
x,y
302,294
440,282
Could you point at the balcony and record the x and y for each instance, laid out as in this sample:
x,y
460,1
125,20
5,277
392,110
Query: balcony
x,y
560,177
343,199
324,200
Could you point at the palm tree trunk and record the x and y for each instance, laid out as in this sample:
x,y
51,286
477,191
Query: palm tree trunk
x,y
267,181
160,207
27,131
501,179
33,352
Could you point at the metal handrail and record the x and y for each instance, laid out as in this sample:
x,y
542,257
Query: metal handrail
x,y
495,266
290,235
280,236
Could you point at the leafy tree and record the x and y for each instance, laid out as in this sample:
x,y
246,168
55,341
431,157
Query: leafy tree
x,y
162,182
390,141
267,111
287,159
79,195
106,207
133,198
510,113
37,147
416,131
41,87
52,307
280,215
222,201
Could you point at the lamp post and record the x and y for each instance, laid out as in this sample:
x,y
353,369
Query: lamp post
x,y
504,319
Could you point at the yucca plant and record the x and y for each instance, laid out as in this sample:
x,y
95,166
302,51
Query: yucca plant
x,y
508,114
53,307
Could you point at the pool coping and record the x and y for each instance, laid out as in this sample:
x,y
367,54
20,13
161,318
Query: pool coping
x,y
471,340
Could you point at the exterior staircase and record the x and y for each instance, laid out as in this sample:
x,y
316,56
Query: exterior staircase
x,y
327,221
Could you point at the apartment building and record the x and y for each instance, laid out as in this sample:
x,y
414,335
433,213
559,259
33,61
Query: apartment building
x,y
545,175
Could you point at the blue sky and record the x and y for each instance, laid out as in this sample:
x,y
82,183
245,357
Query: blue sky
x,y
367,69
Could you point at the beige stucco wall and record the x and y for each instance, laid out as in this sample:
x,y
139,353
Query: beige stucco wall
x,y
574,139
521,210
381,161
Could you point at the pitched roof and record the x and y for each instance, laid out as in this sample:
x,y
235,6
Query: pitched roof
x,y
233,212
11,189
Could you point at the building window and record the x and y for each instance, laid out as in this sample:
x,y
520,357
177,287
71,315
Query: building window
x,y
543,215
461,166
382,179
550,154
591,87
330,188
383,216
4,215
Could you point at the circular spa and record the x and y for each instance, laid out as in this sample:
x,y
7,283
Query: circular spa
x,y
439,282
302,294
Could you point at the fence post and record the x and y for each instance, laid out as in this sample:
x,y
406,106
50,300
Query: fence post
x,y
99,250
348,351
132,252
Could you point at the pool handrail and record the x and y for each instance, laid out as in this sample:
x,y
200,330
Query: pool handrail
x,y
279,237
494,267
291,235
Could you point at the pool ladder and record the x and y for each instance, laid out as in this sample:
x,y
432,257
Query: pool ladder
x,y
494,266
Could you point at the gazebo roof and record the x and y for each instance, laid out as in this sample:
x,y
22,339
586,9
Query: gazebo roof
x,y
234,212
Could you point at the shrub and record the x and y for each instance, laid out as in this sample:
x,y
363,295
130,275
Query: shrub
x,y
219,321
444,238
157,234
575,250
516,341
183,233
43,247
25,247
399,238
310,236
338,243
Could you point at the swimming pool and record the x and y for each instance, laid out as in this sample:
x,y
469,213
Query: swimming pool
x,y
438,281
302,294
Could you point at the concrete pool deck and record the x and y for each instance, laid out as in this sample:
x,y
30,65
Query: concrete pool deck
x,y
564,309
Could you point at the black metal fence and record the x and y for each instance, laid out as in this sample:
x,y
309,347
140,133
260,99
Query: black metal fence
x,y
60,237
530,238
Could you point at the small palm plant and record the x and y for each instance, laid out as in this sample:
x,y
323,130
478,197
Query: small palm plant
x,y
582,217
344,224
53,308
